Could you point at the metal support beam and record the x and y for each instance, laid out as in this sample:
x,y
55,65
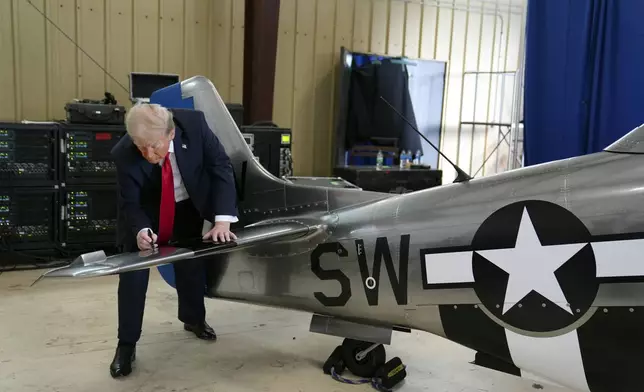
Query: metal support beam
x,y
260,53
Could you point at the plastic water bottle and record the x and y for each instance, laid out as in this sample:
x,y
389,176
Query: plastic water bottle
x,y
417,159
379,160
403,157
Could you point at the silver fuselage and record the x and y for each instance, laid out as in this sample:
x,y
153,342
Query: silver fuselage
x,y
605,191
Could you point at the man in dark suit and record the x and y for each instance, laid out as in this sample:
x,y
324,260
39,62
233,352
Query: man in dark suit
x,y
173,174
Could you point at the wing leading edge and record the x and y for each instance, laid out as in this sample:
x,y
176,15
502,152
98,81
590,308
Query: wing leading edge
x,y
96,264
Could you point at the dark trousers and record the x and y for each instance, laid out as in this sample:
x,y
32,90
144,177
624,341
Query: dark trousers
x,y
189,279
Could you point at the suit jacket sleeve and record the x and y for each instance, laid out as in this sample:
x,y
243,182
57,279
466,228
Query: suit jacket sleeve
x,y
218,165
129,196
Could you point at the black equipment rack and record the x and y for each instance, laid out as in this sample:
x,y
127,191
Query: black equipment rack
x,y
58,189
88,215
28,218
272,146
86,153
28,154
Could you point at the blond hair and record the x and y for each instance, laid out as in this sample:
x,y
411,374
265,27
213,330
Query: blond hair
x,y
148,121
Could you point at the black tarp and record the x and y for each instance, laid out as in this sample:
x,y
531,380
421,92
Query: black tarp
x,y
368,116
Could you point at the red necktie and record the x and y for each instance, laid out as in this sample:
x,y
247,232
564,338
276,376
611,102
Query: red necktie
x,y
166,212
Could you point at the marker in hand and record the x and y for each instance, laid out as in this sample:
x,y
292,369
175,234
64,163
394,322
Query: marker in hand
x,y
151,239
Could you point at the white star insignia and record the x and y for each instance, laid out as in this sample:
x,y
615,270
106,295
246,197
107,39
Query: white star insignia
x,y
532,266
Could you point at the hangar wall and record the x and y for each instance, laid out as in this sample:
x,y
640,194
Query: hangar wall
x,y
41,70
472,35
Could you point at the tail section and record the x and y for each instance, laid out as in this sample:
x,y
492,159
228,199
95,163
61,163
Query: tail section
x,y
200,94
261,195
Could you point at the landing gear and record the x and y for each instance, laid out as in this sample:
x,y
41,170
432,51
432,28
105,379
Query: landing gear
x,y
366,360
363,358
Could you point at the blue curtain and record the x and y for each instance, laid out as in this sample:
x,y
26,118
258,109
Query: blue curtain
x,y
584,76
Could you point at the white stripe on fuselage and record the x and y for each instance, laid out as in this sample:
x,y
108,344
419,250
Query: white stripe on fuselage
x,y
445,268
619,258
557,358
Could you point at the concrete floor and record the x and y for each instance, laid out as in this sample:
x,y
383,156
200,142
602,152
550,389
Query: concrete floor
x,y
60,336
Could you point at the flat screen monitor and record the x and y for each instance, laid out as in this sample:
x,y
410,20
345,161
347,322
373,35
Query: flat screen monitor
x,y
142,85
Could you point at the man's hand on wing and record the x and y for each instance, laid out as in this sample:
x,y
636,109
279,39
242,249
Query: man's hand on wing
x,y
220,232
144,241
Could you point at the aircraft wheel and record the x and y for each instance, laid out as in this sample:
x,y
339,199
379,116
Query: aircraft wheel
x,y
366,366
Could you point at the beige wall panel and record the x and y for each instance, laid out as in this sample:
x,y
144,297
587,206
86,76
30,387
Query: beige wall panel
x,y
284,65
343,25
499,135
197,29
220,50
429,31
344,36
458,53
237,53
517,31
494,136
444,33
477,150
326,53
504,37
471,136
396,28
172,37
486,87
454,94
515,38
303,91
146,35
92,39
43,68
32,60
362,25
119,49
61,53
413,15
442,50
7,75
379,26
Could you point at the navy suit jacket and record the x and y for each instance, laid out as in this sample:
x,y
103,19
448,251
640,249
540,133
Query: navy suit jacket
x,y
205,169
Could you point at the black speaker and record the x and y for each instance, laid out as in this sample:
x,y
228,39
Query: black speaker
x,y
271,145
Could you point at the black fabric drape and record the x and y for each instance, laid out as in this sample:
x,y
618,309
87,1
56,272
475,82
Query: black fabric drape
x,y
369,116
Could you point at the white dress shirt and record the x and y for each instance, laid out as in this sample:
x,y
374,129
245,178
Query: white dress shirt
x,y
180,192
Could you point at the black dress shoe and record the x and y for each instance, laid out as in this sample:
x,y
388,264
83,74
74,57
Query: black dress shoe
x,y
202,330
122,362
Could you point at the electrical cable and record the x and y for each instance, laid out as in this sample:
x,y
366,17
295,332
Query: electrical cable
x,y
78,46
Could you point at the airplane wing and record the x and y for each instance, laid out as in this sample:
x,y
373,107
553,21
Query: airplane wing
x,y
95,264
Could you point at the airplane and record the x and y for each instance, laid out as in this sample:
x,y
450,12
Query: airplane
x,y
539,270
